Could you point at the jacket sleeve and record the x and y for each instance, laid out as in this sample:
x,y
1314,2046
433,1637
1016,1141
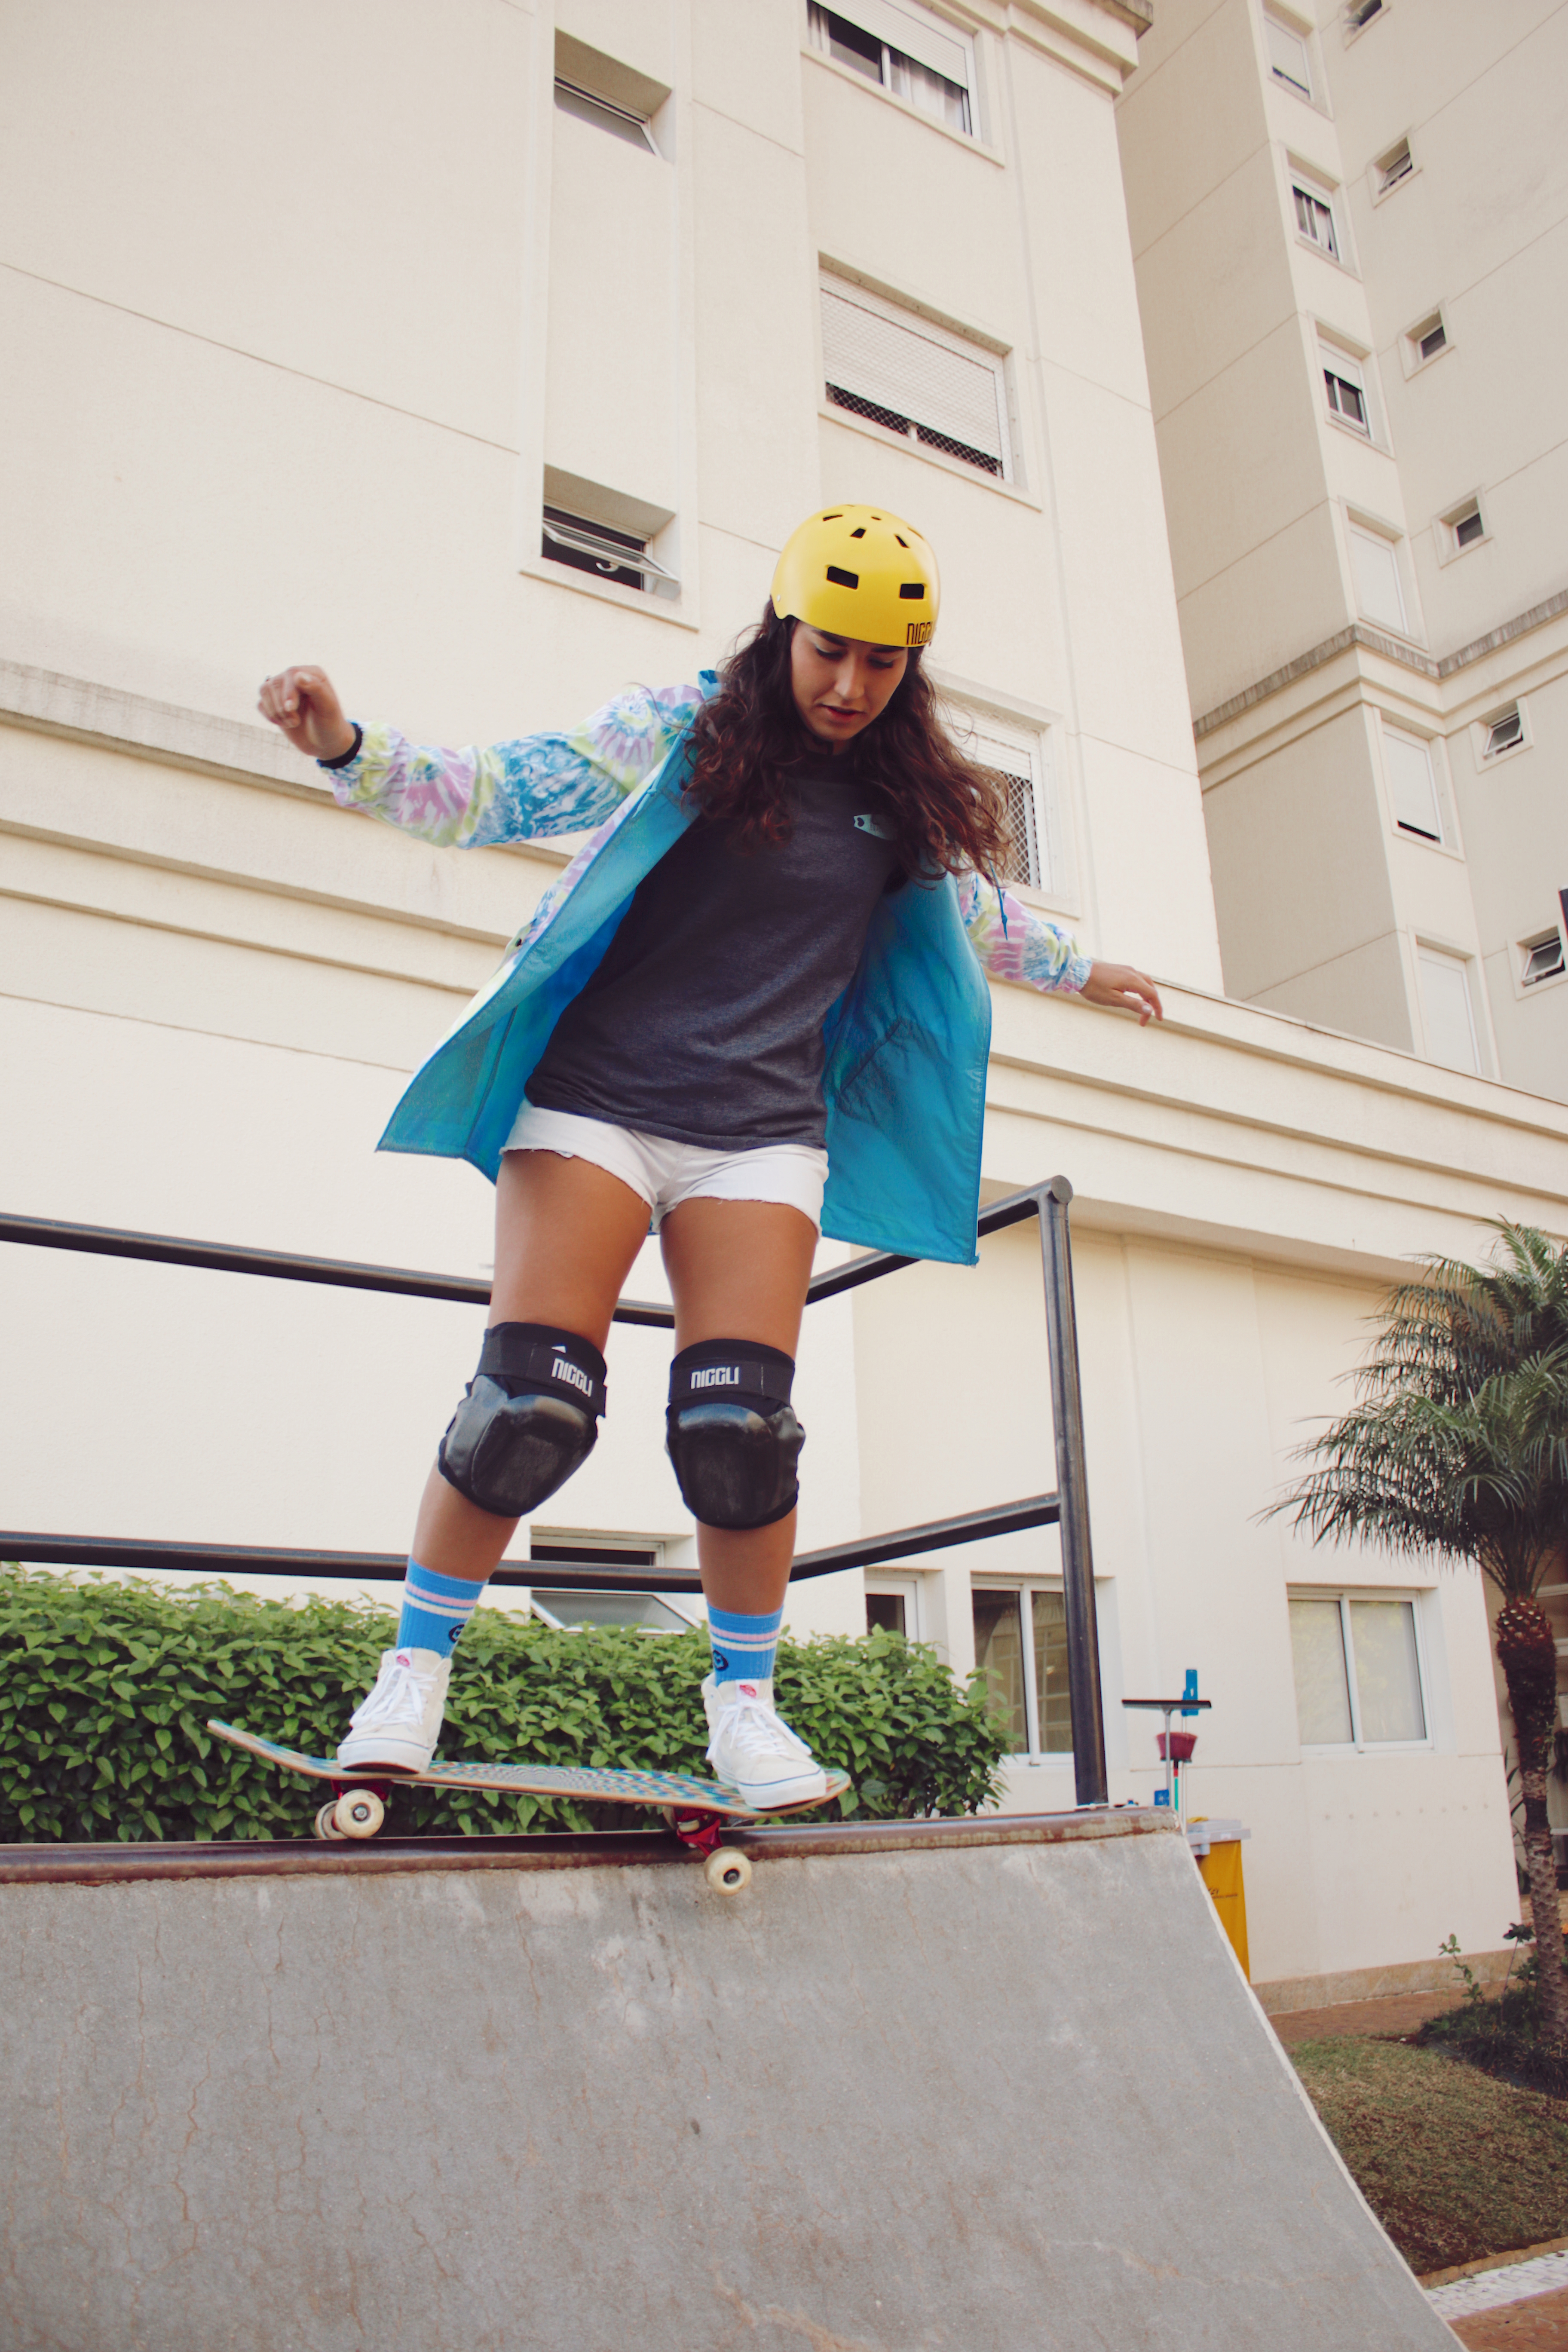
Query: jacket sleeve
x,y
1013,944
521,791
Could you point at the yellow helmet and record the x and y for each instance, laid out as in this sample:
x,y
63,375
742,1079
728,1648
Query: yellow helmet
x,y
859,571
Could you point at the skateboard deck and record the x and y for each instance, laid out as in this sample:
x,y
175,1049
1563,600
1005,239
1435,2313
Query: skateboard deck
x,y
697,1808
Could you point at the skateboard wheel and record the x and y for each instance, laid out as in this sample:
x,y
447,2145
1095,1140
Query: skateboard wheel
x,y
727,1871
326,1827
358,1813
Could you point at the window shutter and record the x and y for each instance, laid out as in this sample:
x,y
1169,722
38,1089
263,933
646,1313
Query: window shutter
x,y
1411,783
914,35
1014,767
1376,572
1446,1001
915,378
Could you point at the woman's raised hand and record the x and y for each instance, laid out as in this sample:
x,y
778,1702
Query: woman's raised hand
x,y
301,702
1120,984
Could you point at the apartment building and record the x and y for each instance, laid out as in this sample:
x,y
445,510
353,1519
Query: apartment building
x,y
485,352
1349,222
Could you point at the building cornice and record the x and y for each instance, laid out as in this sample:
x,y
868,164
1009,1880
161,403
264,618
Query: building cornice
x,y
1391,649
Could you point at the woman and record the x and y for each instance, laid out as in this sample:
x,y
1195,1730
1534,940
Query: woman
x,y
751,1009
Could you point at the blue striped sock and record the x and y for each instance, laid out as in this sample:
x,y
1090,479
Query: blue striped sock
x,y
743,1646
434,1609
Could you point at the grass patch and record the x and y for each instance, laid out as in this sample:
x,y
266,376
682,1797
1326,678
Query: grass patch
x,y
1455,2164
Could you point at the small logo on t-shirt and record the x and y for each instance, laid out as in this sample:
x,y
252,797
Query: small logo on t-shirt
x,y
873,824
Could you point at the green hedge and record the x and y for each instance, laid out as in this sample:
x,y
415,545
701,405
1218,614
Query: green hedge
x,y
105,1689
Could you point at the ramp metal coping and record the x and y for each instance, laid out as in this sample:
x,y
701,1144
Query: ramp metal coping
x,y
113,1863
1068,1508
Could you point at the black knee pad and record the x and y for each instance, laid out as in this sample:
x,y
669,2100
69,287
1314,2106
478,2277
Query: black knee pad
x,y
530,1417
732,1434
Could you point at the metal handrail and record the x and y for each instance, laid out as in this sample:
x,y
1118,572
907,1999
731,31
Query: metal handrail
x,y
1068,1508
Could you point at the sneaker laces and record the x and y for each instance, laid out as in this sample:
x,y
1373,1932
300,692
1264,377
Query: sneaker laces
x,y
757,1730
401,1695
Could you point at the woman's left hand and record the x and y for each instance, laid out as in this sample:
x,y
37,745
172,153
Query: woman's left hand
x,y
1121,985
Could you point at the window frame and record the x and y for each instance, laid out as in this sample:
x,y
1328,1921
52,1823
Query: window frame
x,y
1391,541
909,321
1424,743
1527,949
622,123
1346,1596
1306,187
942,27
1487,725
1343,367
1355,25
1435,952
1413,358
905,1585
1022,1588
1378,170
1277,19
1450,546
556,1548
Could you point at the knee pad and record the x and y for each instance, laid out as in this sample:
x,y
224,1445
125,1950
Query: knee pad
x,y
530,1417
732,1434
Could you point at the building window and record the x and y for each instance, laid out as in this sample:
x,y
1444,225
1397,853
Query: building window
x,y
1397,165
1018,766
1463,526
1358,1673
1540,959
1446,1010
1346,391
1425,341
1374,565
1290,59
1412,784
1315,219
617,120
1021,1648
903,49
893,1606
576,1612
1360,12
914,379
592,547
1504,732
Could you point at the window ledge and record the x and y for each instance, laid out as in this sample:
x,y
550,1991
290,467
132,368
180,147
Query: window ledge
x,y
674,609
1343,425
1382,195
965,139
1333,260
1419,366
1524,991
939,457
1449,553
1423,841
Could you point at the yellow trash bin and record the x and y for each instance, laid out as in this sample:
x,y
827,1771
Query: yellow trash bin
x,y
1217,1846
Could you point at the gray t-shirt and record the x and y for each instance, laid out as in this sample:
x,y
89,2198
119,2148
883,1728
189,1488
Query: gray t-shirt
x,y
703,1023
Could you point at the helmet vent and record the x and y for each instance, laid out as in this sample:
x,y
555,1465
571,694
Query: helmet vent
x,y
913,588
831,518
859,532
902,542
843,579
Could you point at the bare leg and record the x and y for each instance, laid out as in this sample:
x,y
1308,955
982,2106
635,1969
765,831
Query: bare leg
x,y
566,1235
739,1270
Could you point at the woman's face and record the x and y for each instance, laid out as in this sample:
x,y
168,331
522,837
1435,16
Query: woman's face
x,y
840,684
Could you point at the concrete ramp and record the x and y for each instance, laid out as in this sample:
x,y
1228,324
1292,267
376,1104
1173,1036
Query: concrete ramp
x,y
985,2087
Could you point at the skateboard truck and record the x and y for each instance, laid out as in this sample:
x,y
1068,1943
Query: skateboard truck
x,y
727,1871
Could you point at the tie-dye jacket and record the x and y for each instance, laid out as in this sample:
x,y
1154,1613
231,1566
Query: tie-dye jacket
x,y
907,1042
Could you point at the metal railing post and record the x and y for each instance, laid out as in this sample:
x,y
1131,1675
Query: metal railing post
x,y
1072,1487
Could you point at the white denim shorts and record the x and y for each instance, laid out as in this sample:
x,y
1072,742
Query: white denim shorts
x,y
666,1174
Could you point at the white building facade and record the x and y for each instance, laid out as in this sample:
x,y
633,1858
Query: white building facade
x,y
489,362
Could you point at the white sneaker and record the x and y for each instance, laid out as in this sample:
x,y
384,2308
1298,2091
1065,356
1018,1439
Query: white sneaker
x,y
396,1729
753,1750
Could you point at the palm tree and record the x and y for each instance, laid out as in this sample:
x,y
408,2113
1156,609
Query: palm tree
x,y
1459,1445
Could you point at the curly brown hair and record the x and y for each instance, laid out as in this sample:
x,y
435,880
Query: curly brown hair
x,y
941,811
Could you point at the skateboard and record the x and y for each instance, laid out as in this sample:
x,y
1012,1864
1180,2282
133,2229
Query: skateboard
x,y
696,1810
